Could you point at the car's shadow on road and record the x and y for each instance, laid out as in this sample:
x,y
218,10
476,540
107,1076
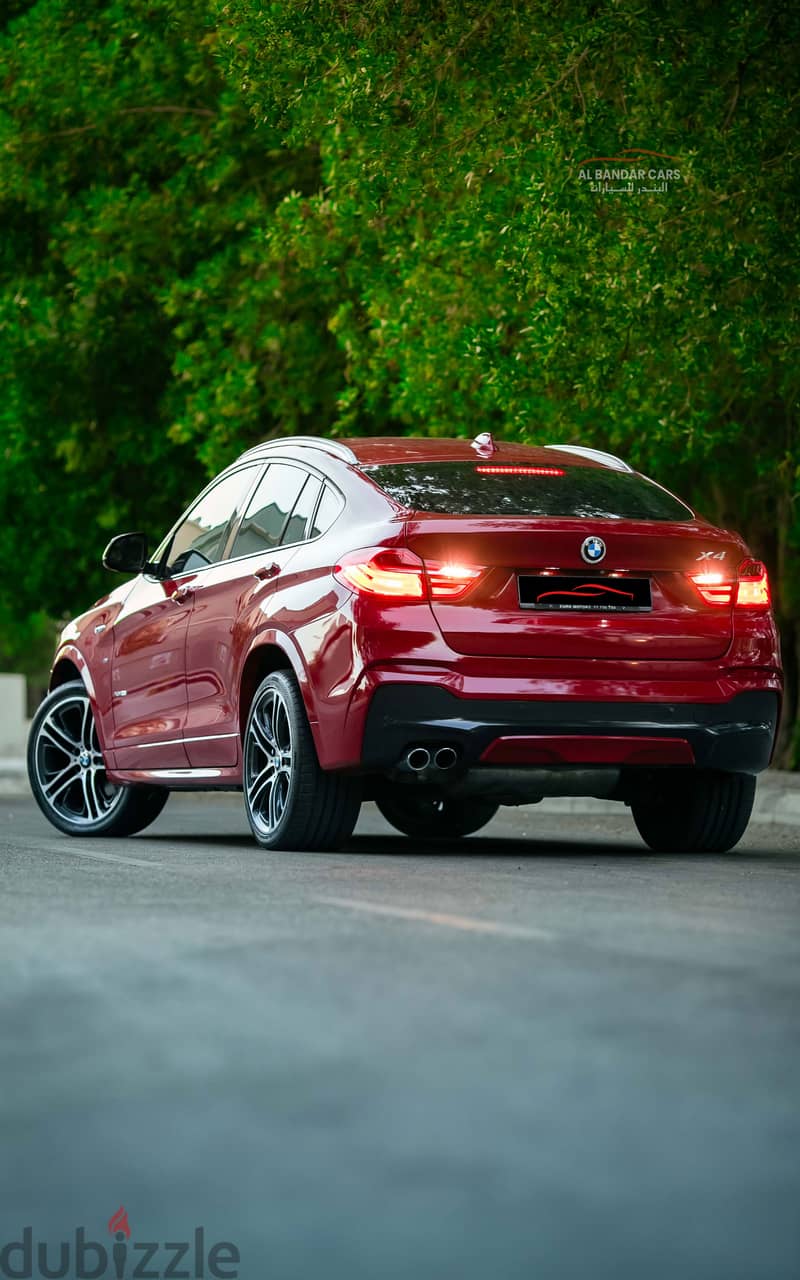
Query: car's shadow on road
x,y
510,847
480,847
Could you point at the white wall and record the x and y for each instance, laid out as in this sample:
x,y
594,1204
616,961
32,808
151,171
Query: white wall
x,y
13,724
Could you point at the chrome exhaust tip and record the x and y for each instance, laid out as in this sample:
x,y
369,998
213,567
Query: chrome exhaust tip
x,y
445,758
418,759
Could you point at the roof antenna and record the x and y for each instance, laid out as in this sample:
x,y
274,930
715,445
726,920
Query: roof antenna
x,y
484,444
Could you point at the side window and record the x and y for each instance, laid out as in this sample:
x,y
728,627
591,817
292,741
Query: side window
x,y
268,510
297,528
200,538
329,507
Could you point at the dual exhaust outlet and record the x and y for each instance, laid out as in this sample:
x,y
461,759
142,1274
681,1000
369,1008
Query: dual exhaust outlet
x,y
418,759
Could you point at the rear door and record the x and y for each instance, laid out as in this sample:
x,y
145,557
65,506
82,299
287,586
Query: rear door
x,y
539,593
263,542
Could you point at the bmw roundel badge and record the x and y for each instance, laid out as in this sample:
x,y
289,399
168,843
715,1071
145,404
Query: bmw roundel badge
x,y
593,549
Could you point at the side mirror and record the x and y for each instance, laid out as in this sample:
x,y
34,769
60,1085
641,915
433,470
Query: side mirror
x,y
127,553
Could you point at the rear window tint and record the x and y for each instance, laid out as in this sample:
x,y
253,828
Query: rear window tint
x,y
594,493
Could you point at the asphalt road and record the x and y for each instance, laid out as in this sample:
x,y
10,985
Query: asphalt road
x,y
554,1056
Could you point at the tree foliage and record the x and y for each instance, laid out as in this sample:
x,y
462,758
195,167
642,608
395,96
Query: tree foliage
x,y
227,220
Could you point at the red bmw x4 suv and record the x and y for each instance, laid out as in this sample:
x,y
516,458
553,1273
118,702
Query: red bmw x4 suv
x,y
438,625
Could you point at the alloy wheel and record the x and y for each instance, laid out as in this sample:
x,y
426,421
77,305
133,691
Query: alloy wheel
x,y
69,764
269,758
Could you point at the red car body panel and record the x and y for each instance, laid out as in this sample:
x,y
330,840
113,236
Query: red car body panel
x,y
168,662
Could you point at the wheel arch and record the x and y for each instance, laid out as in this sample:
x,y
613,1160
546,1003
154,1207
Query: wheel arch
x,y
272,651
64,672
70,665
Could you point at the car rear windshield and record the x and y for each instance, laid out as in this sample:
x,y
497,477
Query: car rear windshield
x,y
460,488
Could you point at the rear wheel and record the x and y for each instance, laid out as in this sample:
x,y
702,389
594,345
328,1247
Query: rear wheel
x,y
428,816
291,802
68,777
697,813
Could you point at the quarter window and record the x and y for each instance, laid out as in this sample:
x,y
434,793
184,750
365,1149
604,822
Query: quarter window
x,y
297,527
330,505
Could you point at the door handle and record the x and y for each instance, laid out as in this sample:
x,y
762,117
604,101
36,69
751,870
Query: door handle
x,y
182,595
269,571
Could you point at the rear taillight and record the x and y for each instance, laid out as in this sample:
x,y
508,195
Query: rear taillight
x,y
714,588
752,591
395,573
749,591
392,573
447,581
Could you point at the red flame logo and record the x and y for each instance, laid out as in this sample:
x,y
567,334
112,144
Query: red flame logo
x,y
591,591
119,1222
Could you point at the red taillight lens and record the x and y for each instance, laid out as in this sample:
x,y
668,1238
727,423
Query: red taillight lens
x,y
714,587
395,573
519,471
392,573
753,588
750,591
447,581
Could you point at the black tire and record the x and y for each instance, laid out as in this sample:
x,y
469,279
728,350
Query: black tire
x,y
426,815
67,774
697,813
291,802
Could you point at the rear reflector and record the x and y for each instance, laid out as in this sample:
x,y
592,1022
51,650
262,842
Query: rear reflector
x,y
519,471
551,749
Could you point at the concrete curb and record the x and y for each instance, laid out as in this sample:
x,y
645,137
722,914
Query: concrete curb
x,y
777,797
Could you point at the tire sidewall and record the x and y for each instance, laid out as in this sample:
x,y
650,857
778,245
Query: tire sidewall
x,y
284,686
392,801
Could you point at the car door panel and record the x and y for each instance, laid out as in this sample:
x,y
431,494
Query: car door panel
x,y
149,676
150,633
214,652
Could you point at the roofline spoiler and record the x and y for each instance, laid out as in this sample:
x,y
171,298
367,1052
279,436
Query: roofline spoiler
x,y
334,447
596,455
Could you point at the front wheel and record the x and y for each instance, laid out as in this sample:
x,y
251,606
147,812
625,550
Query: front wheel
x,y
291,802
697,813
426,815
68,777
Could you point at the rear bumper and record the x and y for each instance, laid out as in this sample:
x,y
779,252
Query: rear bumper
x,y
737,734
